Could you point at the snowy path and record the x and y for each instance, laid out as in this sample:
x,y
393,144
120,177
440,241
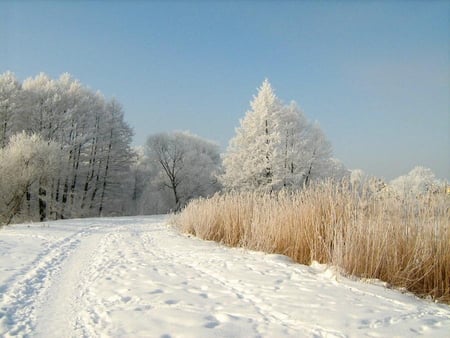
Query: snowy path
x,y
135,277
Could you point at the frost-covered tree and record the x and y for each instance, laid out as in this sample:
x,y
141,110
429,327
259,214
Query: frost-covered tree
x,y
93,137
336,170
294,128
137,180
184,166
316,154
10,90
418,181
117,157
254,154
358,177
27,163
275,147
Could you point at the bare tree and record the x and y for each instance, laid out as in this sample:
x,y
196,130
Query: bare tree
x,y
187,165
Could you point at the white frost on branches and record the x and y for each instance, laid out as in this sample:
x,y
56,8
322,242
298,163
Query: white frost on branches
x,y
94,154
276,147
182,166
418,181
25,161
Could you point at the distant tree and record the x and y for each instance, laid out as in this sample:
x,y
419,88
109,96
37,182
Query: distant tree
x,y
316,155
137,180
336,170
418,181
275,147
357,177
293,129
183,164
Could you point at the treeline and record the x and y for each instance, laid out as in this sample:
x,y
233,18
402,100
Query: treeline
x,y
275,148
65,152
64,149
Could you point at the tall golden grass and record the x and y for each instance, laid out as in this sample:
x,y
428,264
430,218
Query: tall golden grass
x,y
404,242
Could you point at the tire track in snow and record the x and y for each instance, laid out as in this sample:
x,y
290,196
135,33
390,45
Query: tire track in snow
x,y
65,299
24,295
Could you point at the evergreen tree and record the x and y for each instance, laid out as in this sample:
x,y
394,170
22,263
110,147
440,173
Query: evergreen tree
x,y
251,159
275,147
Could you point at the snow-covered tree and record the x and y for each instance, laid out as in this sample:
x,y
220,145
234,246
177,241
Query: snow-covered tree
x,y
184,167
27,163
137,180
117,158
254,154
418,181
94,141
336,170
275,147
358,177
9,103
294,129
316,154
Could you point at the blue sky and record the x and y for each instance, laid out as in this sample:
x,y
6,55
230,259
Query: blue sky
x,y
374,74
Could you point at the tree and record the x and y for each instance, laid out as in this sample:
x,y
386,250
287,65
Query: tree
x,y
254,153
27,161
275,147
336,170
294,128
137,180
316,154
9,102
93,137
418,181
183,164
117,157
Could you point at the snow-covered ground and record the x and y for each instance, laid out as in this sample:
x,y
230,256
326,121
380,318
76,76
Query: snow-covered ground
x,y
137,277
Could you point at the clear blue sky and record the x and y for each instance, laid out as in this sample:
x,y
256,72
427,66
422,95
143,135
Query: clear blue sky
x,y
375,74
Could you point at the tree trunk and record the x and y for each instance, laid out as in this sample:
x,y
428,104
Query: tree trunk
x,y
175,194
91,172
308,175
105,177
42,202
75,175
5,127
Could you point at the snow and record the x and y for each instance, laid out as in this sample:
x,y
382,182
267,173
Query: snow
x,y
138,277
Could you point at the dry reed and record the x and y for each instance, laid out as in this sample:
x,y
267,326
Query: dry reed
x,y
368,234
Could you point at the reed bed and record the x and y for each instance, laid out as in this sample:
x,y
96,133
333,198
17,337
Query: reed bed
x,y
375,235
